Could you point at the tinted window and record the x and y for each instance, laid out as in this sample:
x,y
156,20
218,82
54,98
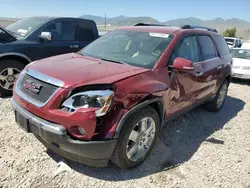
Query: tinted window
x,y
208,50
187,49
222,45
62,30
84,31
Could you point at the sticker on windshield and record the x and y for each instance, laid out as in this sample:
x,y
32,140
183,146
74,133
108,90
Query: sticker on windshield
x,y
23,31
161,35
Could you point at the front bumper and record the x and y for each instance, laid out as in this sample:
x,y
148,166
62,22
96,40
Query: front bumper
x,y
55,137
239,73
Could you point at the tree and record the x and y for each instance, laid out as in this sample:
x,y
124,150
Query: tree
x,y
230,32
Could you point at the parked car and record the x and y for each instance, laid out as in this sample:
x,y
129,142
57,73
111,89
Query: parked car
x,y
233,42
38,37
110,100
241,63
246,45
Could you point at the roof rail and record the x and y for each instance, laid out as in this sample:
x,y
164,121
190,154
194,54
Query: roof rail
x,y
146,24
199,27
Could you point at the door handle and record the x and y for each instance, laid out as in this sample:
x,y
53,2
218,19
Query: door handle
x,y
74,46
219,66
198,74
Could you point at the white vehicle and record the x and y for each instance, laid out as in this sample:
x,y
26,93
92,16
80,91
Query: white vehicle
x,y
246,45
233,42
241,63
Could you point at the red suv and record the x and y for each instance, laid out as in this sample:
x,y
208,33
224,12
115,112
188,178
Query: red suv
x,y
110,100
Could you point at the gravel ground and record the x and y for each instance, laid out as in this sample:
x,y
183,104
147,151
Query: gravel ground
x,y
200,149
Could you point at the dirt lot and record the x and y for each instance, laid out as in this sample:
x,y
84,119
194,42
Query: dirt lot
x,y
200,149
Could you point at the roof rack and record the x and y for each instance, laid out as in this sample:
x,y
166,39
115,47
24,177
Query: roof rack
x,y
146,24
199,27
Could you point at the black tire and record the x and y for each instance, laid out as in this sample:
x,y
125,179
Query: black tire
x,y
5,64
119,156
213,105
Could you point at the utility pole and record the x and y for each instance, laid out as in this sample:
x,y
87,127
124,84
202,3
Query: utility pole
x,y
105,21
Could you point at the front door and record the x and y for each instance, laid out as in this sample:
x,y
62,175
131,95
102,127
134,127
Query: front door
x,y
183,83
63,38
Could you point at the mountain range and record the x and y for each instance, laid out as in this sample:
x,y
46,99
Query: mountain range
x,y
243,27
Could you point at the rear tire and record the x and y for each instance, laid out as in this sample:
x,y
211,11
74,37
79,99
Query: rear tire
x,y
216,104
9,71
137,138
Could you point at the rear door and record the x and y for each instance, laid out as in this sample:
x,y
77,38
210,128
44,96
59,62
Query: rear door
x,y
86,32
208,70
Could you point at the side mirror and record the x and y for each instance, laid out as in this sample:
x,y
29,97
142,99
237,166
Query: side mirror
x,y
47,36
183,64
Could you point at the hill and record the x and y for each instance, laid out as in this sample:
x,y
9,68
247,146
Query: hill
x,y
243,27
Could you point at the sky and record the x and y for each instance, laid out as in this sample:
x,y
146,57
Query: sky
x,y
161,10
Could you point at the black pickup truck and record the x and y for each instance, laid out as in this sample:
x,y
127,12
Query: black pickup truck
x,y
35,38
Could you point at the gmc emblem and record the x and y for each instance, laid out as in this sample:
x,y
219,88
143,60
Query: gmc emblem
x,y
32,86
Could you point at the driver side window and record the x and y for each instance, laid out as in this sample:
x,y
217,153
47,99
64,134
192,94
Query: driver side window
x,y
62,30
187,49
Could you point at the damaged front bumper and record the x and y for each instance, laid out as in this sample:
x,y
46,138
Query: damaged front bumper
x,y
55,137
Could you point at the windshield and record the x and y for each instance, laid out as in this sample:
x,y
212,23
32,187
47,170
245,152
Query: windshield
x,y
230,41
26,26
241,53
135,48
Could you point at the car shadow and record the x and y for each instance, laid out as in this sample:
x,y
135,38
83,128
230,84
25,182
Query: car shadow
x,y
240,81
178,142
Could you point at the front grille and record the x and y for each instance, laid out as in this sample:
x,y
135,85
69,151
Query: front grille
x,y
238,75
246,68
46,91
236,67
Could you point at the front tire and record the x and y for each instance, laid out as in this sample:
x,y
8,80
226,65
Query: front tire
x,y
216,104
137,138
9,71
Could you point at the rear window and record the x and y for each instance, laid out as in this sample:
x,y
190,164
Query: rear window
x,y
230,41
85,31
208,50
222,45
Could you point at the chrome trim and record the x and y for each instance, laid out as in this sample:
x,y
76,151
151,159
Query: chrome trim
x,y
41,77
44,77
39,122
15,54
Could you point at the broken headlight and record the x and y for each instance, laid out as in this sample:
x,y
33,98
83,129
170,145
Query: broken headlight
x,y
99,99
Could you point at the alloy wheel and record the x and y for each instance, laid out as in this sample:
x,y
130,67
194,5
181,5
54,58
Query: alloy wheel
x,y
8,77
140,139
222,95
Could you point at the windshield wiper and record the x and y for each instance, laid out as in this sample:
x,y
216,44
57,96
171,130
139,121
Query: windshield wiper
x,y
115,61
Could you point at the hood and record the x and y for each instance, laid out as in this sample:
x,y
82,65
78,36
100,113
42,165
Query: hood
x,y
6,36
77,70
241,62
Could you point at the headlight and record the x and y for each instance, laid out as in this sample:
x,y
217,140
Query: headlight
x,y
100,99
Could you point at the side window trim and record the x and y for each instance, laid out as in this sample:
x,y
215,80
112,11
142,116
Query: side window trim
x,y
215,47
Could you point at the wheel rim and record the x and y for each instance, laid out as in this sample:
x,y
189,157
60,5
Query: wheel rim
x,y
8,77
222,95
141,139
